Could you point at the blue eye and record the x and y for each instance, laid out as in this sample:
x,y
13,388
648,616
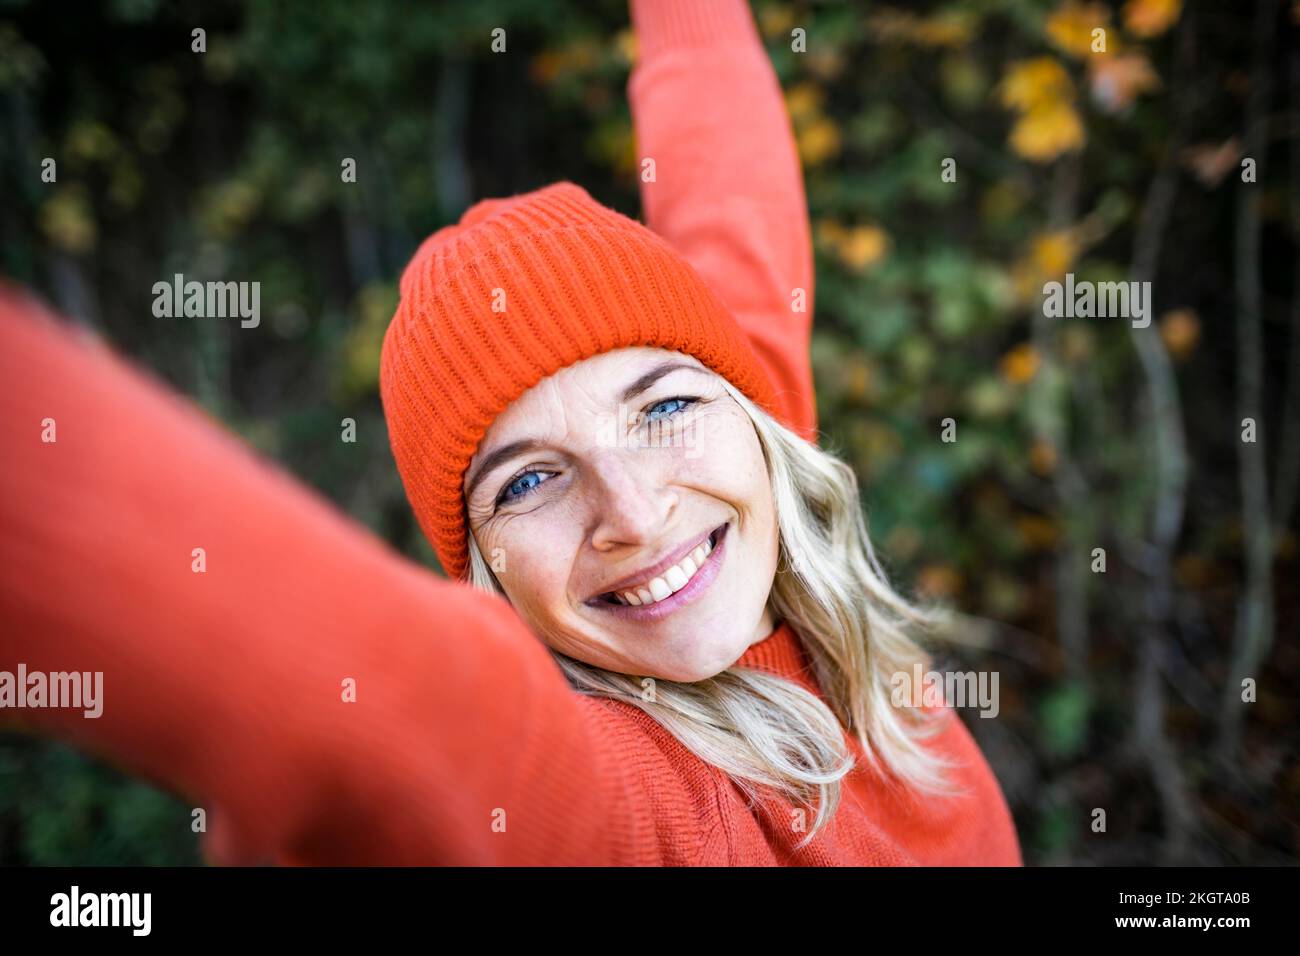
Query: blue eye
x,y
679,403
521,485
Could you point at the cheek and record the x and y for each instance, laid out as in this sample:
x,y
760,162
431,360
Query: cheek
x,y
532,555
726,459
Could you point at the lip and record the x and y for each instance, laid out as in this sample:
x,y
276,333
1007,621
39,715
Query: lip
x,y
696,586
656,569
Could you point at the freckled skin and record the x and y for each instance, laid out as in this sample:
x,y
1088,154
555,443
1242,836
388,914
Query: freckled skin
x,y
602,509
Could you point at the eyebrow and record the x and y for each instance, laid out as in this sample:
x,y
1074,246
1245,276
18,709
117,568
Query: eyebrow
x,y
514,448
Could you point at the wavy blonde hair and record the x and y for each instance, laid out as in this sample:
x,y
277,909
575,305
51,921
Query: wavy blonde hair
x,y
770,736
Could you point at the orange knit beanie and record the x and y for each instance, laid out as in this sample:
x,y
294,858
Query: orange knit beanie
x,y
520,288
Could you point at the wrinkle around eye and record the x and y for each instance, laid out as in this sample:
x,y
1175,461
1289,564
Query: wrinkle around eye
x,y
526,503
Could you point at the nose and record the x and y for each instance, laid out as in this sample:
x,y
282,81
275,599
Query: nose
x,y
631,502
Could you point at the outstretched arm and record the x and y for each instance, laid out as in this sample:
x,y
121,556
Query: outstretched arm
x,y
728,190
227,684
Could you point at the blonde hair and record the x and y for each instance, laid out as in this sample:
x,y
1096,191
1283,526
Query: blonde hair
x,y
768,734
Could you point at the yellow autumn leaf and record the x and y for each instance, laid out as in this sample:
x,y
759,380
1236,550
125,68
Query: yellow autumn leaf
x,y
1180,330
825,62
68,221
818,141
1033,84
1036,533
626,45
1053,253
1148,18
863,246
1042,458
1071,26
359,369
829,233
1046,132
776,21
804,101
1020,364
951,28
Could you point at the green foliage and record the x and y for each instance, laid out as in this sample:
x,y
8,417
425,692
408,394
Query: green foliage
x,y
59,808
1063,719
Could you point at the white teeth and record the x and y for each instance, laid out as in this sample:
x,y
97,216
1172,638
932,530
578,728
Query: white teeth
x,y
670,582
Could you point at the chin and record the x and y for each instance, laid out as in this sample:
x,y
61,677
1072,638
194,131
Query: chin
x,y
687,669
708,651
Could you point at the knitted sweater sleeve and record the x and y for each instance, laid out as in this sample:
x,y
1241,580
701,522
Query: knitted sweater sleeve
x,y
323,700
727,190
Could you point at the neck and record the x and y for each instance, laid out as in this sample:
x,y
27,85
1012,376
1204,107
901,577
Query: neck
x,y
766,625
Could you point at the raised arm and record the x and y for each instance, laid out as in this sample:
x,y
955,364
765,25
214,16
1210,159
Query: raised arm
x,y
728,190
227,684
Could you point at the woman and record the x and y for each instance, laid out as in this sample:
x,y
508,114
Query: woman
x,y
605,431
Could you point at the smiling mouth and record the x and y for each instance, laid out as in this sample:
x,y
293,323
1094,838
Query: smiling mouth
x,y
662,586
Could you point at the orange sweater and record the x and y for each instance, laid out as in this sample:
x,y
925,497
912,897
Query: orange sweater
x,y
464,744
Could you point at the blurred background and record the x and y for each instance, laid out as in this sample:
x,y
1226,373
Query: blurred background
x,y
1172,156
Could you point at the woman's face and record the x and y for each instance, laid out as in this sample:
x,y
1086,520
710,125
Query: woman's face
x,y
625,507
